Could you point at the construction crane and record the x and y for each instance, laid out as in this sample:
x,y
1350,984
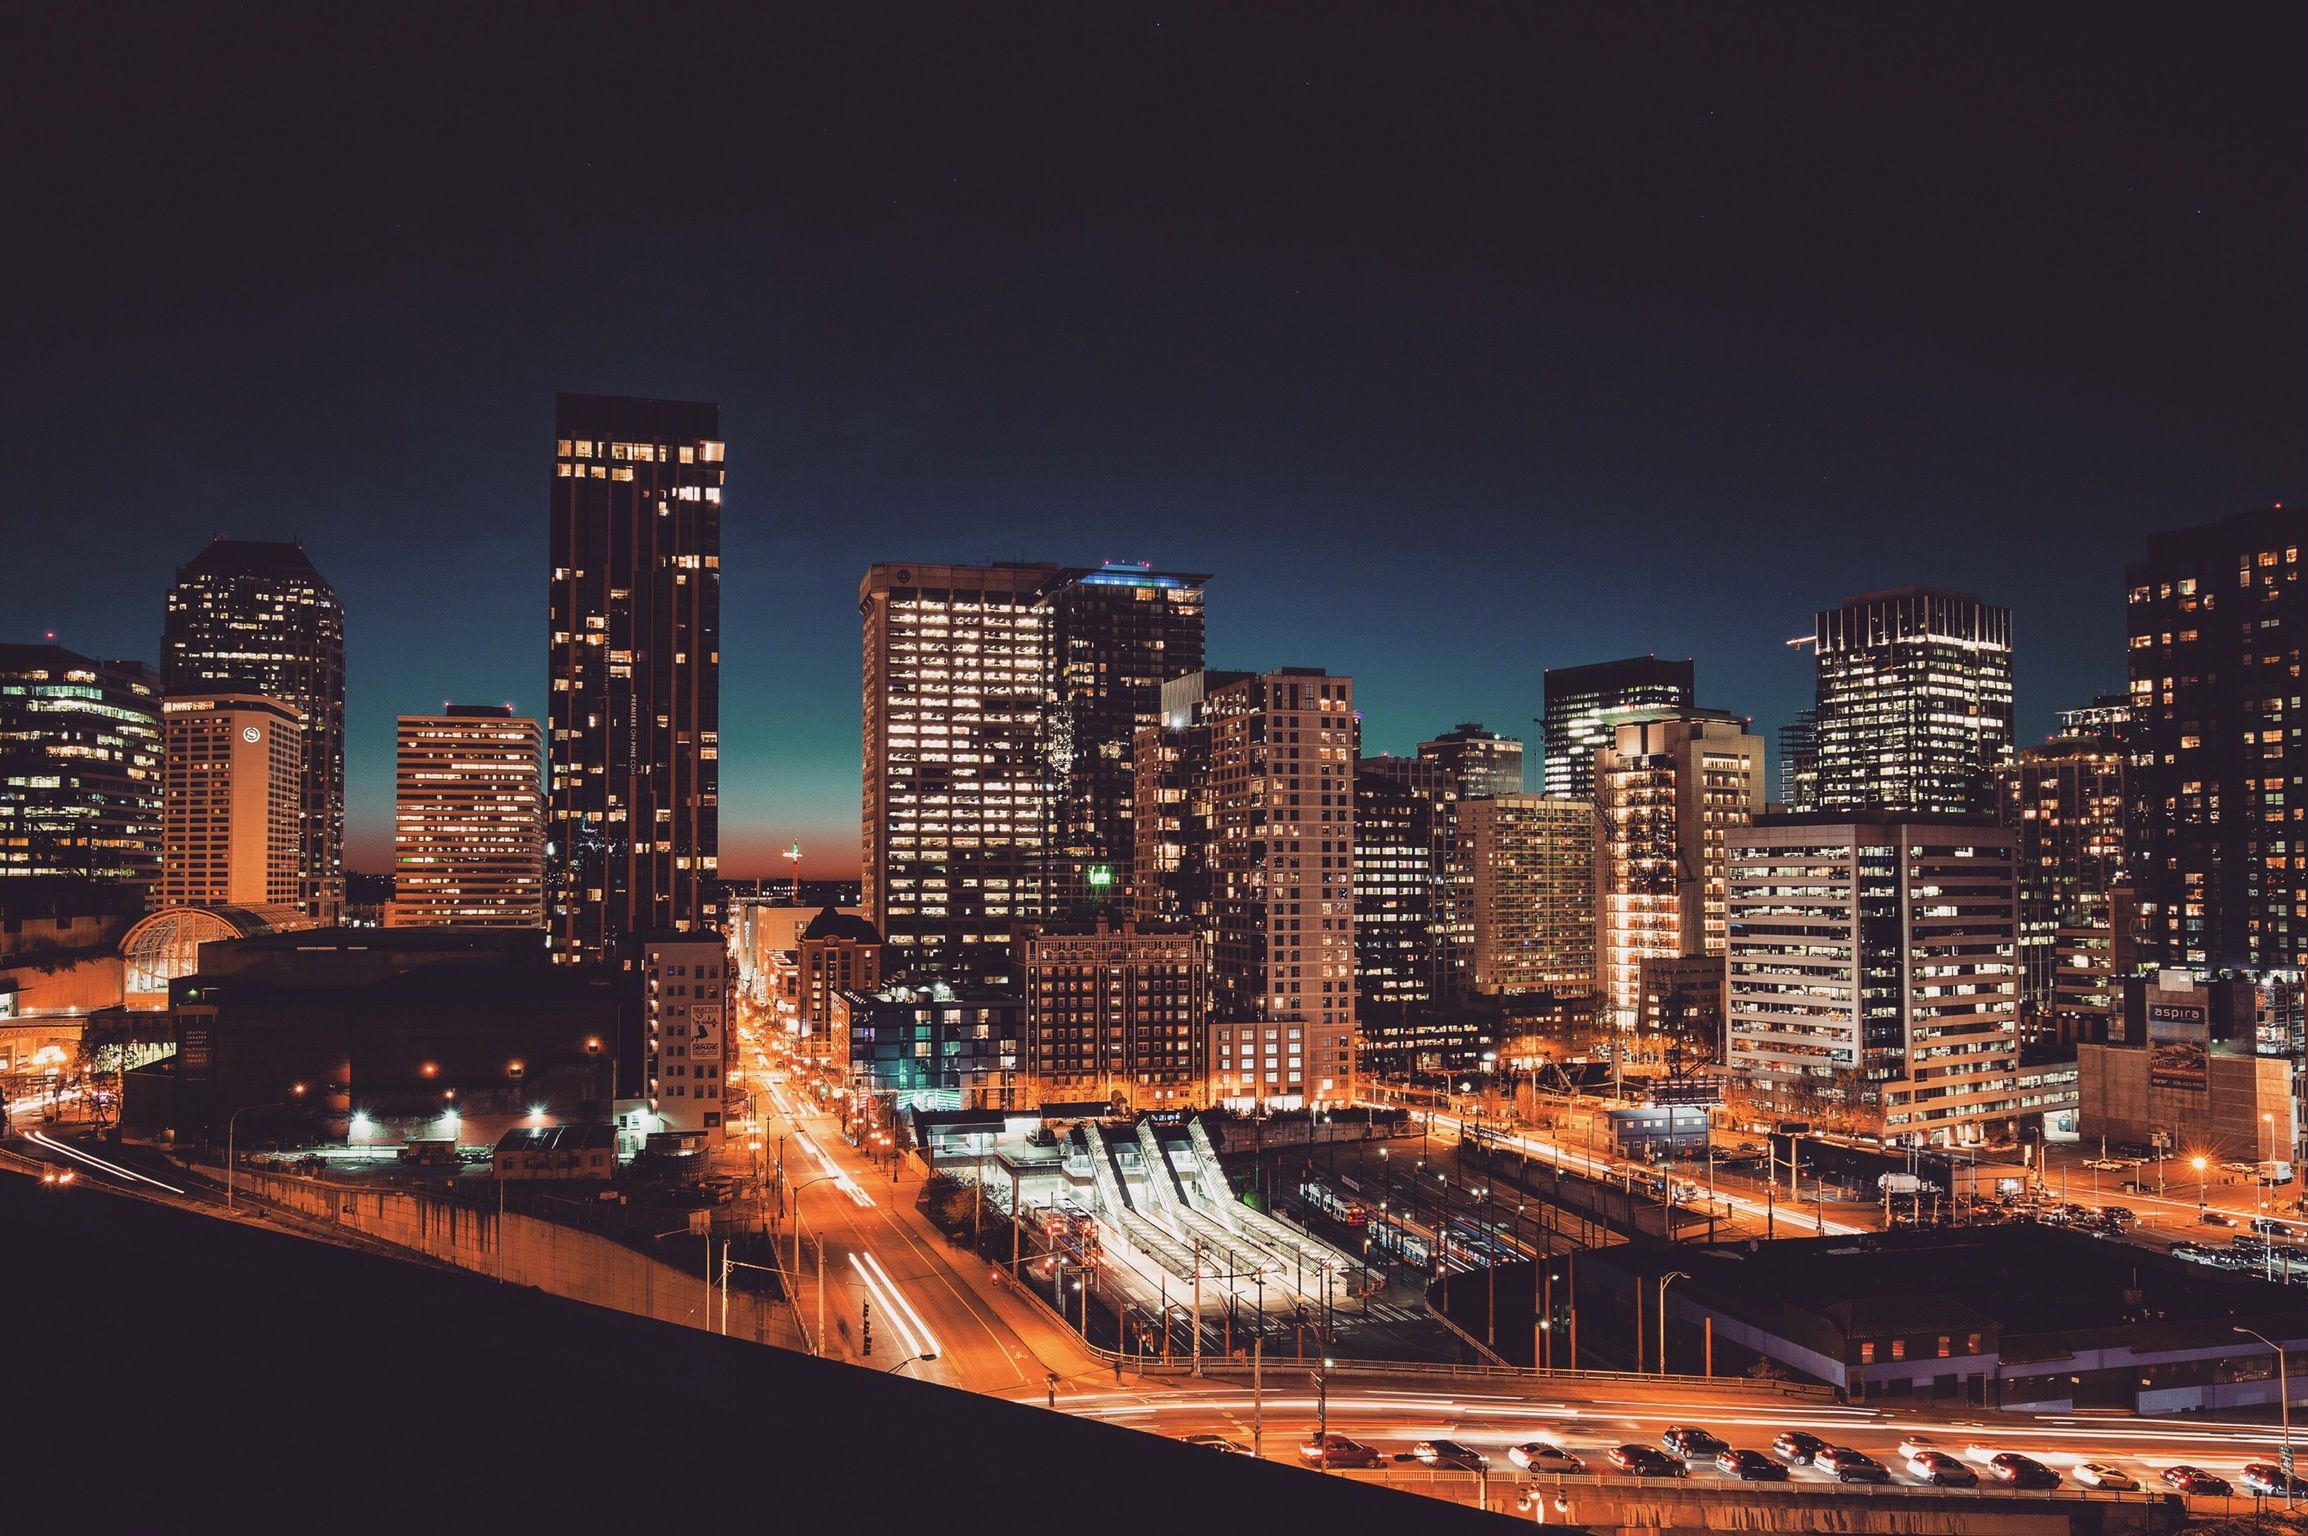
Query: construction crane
x,y
794,854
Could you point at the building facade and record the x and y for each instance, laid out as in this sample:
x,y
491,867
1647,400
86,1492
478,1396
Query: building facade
x,y
2064,802
1668,792
2215,618
1480,762
1799,762
1585,706
1398,927
1533,863
232,803
2185,1074
1116,1013
686,1047
957,795
634,614
1914,702
248,617
79,766
936,1046
1873,973
468,820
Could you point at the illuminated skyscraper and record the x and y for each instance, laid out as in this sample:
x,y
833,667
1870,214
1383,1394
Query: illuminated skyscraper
x,y
1585,706
256,618
1799,761
957,787
468,821
2064,804
1914,702
232,801
633,835
1398,927
1533,862
2217,618
1481,763
79,766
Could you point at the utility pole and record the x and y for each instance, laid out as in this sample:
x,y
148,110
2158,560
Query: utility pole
x,y
1258,1397
1197,1320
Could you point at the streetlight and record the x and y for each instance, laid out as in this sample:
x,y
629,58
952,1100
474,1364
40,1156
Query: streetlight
x,y
296,1091
2284,1405
2199,1164
1666,1280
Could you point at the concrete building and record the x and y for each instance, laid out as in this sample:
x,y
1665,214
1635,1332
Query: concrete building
x,y
1116,1013
957,797
249,617
1263,769
1668,792
1533,865
1476,764
1914,702
1873,974
556,1153
468,820
687,1043
936,1046
79,767
232,803
2064,802
2090,960
837,952
1585,706
634,621
2216,618
2185,1075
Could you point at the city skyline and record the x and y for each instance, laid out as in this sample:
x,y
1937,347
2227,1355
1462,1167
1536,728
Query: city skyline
x,y
1235,328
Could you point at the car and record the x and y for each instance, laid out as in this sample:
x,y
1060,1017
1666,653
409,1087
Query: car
x,y
1538,1456
2239,1168
2099,1474
1642,1461
1447,1453
2216,1219
1750,1467
1214,1443
1846,1465
1912,1446
2118,1215
2016,1471
2133,1187
1339,1451
2196,1480
2265,1477
1797,1448
1941,1470
2104,1164
1690,1443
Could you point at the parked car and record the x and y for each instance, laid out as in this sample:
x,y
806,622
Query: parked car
x,y
1692,1444
2016,1471
1941,1470
1750,1467
2265,1477
1448,1453
2195,1480
1538,1456
1797,1448
1846,1465
1339,1451
1912,1446
2099,1474
2133,1187
1214,1443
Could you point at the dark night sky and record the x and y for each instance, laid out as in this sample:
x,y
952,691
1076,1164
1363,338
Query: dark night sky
x,y
1459,341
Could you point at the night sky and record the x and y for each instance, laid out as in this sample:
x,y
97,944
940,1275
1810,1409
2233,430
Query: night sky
x,y
1459,341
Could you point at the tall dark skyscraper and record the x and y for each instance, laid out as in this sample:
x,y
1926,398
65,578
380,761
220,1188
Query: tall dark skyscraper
x,y
2216,617
1585,706
1914,702
79,766
1116,635
635,735
250,617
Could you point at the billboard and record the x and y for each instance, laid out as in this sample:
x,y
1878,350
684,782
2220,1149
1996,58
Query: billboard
x,y
2179,1041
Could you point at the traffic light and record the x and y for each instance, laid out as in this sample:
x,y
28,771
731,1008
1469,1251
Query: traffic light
x,y
865,1327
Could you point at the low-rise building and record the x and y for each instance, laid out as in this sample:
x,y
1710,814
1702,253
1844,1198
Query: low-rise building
x,y
933,1045
1116,1013
2185,1074
557,1152
686,1044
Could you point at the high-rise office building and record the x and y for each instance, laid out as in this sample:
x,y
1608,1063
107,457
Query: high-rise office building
x,y
1398,935
79,766
1872,973
1914,702
249,617
633,771
1585,706
1116,1013
2064,803
2217,616
1799,761
1667,792
1476,764
1481,763
232,802
1116,635
2107,719
1261,768
1533,860
468,820
957,793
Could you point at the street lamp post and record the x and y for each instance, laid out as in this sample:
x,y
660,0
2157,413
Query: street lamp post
x,y
2284,1407
296,1091
1666,1280
2199,1163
